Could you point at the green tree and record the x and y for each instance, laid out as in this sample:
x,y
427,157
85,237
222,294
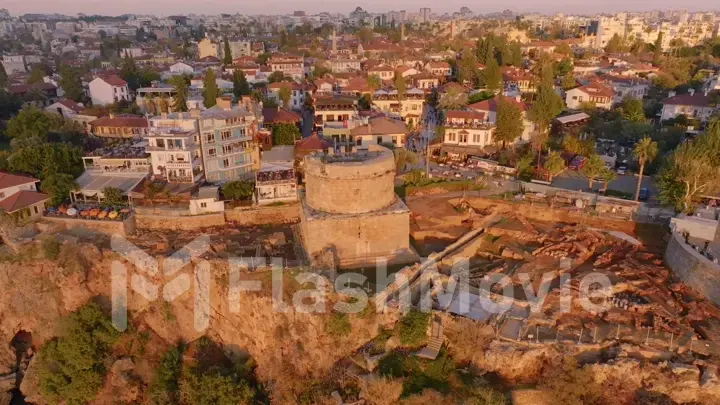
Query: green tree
x,y
164,387
214,387
568,82
645,151
374,82
657,54
467,70
563,67
37,73
41,159
240,84
3,77
210,89
72,367
180,86
285,134
113,197
364,35
130,73
546,106
563,49
453,98
404,157
593,168
632,110
238,190
58,186
227,53
71,84
508,122
492,77
284,94
516,58
400,86
607,175
554,164
615,44
32,122
275,77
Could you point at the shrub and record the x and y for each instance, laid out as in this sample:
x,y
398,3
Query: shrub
x,y
211,387
238,190
392,365
72,366
164,387
51,247
338,325
413,328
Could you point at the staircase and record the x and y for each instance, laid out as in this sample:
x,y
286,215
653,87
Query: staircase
x,y
435,341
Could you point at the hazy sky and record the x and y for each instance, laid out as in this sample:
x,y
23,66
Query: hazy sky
x,y
169,7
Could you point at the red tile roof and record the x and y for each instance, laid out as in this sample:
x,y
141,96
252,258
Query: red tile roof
x,y
76,107
491,104
22,199
465,114
24,88
280,115
596,89
380,126
695,100
132,121
11,180
313,142
113,80
288,85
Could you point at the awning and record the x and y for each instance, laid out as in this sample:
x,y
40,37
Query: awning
x,y
93,183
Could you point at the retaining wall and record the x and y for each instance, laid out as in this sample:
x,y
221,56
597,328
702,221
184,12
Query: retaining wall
x,y
177,222
123,228
281,214
692,268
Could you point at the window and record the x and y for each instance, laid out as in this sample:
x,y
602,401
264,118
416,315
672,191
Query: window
x,y
225,163
476,138
203,205
358,141
35,208
209,137
463,138
225,135
394,138
227,149
212,152
379,140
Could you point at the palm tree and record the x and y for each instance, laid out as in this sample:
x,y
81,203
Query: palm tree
x,y
645,151
607,176
554,164
593,168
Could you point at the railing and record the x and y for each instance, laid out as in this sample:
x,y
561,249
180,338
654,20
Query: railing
x,y
106,169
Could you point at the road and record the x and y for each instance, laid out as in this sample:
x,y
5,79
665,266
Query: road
x,y
308,119
576,180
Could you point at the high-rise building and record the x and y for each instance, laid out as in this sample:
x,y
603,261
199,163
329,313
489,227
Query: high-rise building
x,y
424,14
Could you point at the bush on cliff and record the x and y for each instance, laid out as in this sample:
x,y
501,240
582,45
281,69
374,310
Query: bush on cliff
x,y
72,365
413,328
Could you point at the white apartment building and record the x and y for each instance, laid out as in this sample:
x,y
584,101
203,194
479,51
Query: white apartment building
x,y
14,63
692,105
467,133
297,94
226,138
489,108
106,90
174,148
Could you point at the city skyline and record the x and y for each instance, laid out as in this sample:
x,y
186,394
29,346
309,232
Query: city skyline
x,y
279,7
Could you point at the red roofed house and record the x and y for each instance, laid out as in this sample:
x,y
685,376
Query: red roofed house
x,y
297,94
489,108
441,68
520,78
19,197
106,90
692,105
36,94
467,132
596,93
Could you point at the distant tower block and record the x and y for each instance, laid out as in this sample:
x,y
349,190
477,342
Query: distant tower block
x,y
452,29
334,41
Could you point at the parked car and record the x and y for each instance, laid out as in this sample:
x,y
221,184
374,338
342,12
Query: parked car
x,y
621,170
578,162
644,194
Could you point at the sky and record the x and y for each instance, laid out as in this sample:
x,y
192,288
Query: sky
x,y
170,7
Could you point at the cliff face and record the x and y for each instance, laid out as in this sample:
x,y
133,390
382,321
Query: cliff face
x,y
38,293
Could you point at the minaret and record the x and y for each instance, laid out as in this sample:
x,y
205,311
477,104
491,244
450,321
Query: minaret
x,y
334,41
402,32
452,29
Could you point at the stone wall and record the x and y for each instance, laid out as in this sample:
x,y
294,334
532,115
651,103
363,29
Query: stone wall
x,y
123,228
351,187
358,239
281,214
692,268
185,223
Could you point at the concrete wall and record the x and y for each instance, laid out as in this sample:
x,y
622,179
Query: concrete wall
x,y
264,215
692,268
123,228
186,223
